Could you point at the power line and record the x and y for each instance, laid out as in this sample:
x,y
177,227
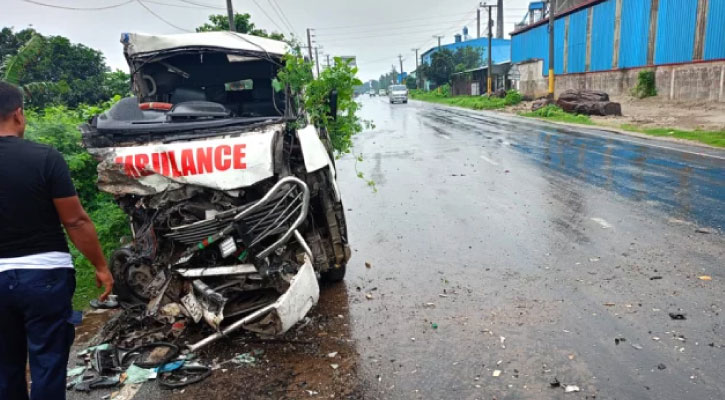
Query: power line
x,y
193,7
376,36
37,3
267,15
160,17
202,4
392,23
282,15
388,30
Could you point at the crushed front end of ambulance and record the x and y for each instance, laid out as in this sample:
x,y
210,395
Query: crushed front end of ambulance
x,y
235,214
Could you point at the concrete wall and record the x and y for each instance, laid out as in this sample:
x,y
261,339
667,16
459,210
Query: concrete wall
x,y
532,82
703,81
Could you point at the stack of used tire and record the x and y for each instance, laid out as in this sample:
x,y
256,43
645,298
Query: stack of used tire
x,y
589,102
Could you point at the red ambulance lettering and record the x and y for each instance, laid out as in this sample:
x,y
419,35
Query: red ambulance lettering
x,y
187,163
204,160
221,158
239,155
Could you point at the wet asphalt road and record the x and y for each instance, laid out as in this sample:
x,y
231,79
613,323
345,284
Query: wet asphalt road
x,y
547,237
503,244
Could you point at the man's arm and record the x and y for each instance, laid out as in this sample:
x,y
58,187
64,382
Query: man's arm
x,y
83,235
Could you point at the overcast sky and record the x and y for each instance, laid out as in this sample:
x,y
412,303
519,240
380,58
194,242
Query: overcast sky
x,y
375,31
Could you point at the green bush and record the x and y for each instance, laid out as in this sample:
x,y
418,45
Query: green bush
x,y
645,85
444,90
555,113
315,93
513,97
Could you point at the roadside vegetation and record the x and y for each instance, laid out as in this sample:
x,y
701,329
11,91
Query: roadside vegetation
x,y
554,113
473,102
712,138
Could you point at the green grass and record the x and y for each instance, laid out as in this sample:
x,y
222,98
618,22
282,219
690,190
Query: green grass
x,y
712,138
554,113
472,102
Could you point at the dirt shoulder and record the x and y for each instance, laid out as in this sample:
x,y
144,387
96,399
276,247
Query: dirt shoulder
x,y
651,117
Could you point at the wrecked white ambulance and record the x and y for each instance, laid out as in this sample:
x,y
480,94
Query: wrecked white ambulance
x,y
235,213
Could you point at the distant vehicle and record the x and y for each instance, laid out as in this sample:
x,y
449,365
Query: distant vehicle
x,y
382,92
398,93
372,92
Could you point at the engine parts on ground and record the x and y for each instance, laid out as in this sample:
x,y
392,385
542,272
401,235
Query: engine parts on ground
x,y
107,366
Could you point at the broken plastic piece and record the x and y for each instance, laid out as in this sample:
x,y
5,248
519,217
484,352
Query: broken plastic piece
x,y
571,388
109,303
244,359
678,316
136,374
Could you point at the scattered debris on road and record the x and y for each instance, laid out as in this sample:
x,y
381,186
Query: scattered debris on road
x,y
705,277
571,388
677,316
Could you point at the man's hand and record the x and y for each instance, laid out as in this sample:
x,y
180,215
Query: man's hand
x,y
83,235
105,279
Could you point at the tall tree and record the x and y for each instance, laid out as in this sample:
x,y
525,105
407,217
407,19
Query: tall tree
x,y
441,67
467,57
242,23
52,70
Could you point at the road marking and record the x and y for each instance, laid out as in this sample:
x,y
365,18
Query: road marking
x,y
602,222
488,160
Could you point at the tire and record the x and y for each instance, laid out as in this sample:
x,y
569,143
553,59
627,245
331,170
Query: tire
x,y
334,275
332,227
119,266
405,101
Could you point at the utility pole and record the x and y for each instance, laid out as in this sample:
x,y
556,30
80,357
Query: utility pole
x,y
499,19
439,40
490,63
417,72
400,58
552,7
317,62
230,14
328,61
309,43
478,23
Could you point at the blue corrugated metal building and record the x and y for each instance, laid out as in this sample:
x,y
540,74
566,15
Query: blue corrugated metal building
x,y
635,31
500,49
602,35
714,31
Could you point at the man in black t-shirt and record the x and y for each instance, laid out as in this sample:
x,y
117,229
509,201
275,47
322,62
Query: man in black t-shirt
x,y
37,279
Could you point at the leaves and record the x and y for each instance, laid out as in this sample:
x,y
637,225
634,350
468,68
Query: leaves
x,y
242,24
13,66
340,77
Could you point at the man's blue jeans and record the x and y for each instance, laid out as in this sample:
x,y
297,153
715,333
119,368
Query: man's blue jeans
x,y
35,322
